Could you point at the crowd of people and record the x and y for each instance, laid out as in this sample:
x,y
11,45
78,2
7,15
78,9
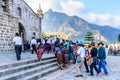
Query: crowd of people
x,y
114,50
68,52
92,57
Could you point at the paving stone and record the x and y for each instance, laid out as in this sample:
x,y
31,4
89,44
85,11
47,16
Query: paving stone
x,y
113,65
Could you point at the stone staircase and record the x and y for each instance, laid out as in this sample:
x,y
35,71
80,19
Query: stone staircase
x,y
29,69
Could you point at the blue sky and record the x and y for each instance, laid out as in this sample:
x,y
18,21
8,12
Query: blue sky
x,y
102,6
102,12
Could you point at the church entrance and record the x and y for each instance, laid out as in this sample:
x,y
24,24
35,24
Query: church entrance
x,y
22,31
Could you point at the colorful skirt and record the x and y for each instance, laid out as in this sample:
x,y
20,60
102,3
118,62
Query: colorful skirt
x,y
59,58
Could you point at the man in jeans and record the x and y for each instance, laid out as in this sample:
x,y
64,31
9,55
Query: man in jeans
x,y
80,60
101,58
94,57
17,42
33,45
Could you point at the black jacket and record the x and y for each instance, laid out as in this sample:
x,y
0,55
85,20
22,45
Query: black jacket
x,y
93,52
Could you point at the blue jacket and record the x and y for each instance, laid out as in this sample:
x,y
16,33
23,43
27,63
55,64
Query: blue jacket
x,y
101,53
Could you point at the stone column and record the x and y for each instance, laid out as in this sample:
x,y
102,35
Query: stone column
x,y
1,5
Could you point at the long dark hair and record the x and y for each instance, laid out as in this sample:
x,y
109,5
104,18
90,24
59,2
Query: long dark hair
x,y
70,49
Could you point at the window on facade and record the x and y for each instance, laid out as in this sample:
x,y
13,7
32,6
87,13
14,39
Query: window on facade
x,y
19,12
4,5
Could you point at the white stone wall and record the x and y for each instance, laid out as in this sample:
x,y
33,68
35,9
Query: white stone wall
x,y
8,27
28,18
9,23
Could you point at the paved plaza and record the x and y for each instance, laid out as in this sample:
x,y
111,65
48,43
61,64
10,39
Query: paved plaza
x,y
113,65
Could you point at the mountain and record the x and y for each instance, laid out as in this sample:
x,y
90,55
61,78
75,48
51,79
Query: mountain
x,y
76,27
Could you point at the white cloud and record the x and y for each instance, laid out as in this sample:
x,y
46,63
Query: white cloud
x,y
90,17
50,4
33,4
70,7
73,7
45,4
116,21
103,19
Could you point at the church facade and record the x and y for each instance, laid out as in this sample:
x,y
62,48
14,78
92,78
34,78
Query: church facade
x,y
17,16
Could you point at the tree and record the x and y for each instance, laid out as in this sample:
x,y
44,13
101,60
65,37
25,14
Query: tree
x,y
89,37
119,38
44,36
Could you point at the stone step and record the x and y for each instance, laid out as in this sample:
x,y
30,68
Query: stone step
x,y
22,63
51,75
29,72
8,71
39,75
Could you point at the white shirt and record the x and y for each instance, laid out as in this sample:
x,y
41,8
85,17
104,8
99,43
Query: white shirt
x,y
48,41
53,40
33,41
43,41
81,52
17,40
61,40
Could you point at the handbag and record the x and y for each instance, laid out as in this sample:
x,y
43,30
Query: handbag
x,y
90,61
31,48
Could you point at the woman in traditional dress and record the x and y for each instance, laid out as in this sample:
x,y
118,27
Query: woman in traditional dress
x,y
66,52
58,53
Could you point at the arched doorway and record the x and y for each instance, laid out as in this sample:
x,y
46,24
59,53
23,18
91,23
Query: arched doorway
x,y
22,31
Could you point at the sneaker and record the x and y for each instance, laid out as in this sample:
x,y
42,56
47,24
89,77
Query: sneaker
x,y
81,75
97,74
77,76
87,71
90,75
105,74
